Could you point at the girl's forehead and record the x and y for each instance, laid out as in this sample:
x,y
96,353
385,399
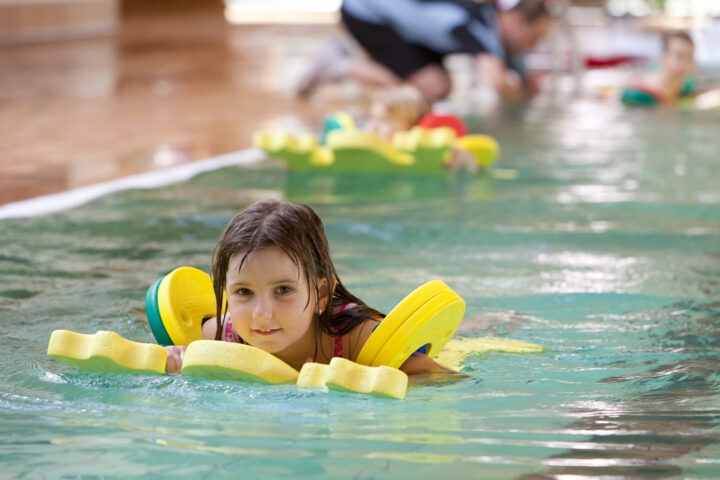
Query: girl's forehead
x,y
264,259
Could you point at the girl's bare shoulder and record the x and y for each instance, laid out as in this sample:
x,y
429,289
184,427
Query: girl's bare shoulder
x,y
360,334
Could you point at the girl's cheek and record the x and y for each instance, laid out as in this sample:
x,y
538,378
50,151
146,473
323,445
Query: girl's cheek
x,y
235,309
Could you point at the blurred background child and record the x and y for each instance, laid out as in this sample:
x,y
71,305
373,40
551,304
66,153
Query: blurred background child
x,y
395,109
672,78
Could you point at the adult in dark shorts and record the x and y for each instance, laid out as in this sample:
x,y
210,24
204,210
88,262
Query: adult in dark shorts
x,y
407,41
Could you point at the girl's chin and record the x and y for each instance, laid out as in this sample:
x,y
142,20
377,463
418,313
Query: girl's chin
x,y
268,346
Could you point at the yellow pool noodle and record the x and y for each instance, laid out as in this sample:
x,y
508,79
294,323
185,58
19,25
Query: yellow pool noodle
x,y
235,361
344,375
106,352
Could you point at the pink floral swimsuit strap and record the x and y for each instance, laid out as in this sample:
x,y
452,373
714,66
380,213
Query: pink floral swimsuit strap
x,y
228,332
338,350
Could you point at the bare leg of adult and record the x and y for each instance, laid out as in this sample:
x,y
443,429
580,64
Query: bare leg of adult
x,y
433,81
335,63
373,74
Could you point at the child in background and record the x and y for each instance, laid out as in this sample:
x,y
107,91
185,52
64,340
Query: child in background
x,y
671,81
283,295
395,109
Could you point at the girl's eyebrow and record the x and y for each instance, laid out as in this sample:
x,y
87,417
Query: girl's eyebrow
x,y
273,282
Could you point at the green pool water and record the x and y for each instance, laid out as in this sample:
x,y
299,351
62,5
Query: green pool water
x,y
605,249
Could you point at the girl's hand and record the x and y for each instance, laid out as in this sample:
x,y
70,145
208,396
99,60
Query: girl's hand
x,y
507,83
175,355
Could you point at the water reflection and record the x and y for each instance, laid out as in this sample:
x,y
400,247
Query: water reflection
x,y
668,413
334,188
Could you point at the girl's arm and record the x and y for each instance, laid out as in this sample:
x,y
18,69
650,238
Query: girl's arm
x,y
421,364
209,328
176,353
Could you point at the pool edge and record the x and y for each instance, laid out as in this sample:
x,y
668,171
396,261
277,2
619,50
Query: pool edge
x,y
155,178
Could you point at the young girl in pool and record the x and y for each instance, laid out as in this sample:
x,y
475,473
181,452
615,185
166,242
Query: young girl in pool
x,y
283,295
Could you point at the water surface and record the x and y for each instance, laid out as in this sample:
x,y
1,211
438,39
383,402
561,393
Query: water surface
x,y
605,249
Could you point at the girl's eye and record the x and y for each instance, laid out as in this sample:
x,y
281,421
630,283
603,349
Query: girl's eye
x,y
244,291
284,290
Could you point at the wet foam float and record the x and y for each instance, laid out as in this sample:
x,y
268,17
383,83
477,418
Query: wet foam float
x,y
426,149
178,302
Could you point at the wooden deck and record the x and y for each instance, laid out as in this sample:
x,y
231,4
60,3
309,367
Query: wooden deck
x,y
171,86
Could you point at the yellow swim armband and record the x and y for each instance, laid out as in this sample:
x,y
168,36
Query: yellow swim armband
x,y
177,304
427,316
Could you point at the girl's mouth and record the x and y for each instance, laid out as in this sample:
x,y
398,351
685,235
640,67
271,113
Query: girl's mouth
x,y
267,332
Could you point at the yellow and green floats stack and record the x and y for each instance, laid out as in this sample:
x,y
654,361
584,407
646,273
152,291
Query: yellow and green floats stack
x,y
425,149
425,320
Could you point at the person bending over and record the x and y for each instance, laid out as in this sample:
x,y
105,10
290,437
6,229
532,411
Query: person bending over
x,y
407,40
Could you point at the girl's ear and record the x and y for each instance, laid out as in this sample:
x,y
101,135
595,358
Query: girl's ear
x,y
323,294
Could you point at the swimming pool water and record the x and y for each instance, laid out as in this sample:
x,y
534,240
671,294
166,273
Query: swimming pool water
x,y
605,249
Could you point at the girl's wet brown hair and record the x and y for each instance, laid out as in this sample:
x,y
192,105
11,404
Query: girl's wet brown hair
x,y
298,231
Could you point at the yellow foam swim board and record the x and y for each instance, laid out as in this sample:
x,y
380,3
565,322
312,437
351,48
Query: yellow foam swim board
x,y
277,141
457,349
106,352
419,137
397,316
486,344
235,361
434,323
345,375
355,139
185,297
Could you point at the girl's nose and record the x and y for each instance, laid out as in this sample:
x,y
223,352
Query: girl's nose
x,y
263,308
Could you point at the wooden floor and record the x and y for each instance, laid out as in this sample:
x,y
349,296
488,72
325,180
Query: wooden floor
x,y
169,87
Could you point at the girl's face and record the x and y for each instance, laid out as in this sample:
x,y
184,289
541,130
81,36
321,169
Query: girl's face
x,y
268,302
679,57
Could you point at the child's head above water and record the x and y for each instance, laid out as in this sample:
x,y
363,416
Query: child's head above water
x,y
273,262
395,109
678,57
283,296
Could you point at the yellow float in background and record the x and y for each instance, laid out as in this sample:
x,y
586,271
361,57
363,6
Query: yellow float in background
x,y
345,149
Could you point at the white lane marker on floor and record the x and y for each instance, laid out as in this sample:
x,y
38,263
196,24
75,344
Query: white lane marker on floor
x,y
152,179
